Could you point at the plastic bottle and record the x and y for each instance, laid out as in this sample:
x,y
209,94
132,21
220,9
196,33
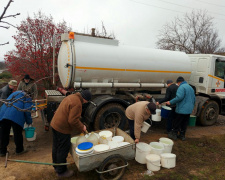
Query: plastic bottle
x,y
93,139
81,139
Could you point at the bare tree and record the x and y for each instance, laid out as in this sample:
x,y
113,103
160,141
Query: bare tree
x,y
193,33
3,16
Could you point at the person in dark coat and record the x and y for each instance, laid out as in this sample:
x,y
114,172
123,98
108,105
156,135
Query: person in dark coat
x,y
65,121
185,101
7,90
12,116
28,84
170,94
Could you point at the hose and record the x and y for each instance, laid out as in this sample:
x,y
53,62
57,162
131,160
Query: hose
x,y
33,162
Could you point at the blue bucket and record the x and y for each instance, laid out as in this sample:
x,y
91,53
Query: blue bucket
x,y
29,132
165,111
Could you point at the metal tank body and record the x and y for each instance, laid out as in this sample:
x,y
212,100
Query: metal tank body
x,y
104,63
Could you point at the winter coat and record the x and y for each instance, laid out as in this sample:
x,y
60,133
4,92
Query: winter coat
x,y
170,94
185,99
137,112
4,93
15,115
31,87
67,116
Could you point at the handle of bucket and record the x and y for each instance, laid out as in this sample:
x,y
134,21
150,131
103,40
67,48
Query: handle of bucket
x,y
150,120
156,164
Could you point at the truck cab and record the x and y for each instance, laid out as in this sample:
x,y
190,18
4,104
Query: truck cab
x,y
207,78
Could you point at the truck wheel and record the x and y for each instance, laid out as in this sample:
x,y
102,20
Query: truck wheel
x,y
112,162
109,116
209,114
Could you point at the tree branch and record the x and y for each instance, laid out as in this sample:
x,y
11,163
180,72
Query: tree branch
x,y
4,44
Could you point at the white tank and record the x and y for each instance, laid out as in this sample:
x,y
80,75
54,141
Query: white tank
x,y
95,62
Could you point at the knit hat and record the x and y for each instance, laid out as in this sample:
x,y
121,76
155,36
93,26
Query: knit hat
x,y
169,81
152,107
26,76
86,94
12,83
180,79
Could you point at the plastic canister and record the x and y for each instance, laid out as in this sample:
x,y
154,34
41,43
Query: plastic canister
x,y
81,139
167,143
145,127
157,116
168,160
142,149
153,162
156,148
93,139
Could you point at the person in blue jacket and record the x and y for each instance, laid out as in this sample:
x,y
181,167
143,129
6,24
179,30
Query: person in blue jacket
x,y
14,114
185,101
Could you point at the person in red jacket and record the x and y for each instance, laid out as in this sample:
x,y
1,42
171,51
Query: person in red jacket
x,y
65,121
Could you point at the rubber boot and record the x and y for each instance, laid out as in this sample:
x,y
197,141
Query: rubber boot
x,y
172,135
66,174
182,136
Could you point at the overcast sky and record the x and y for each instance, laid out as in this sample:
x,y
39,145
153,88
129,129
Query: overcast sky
x,y
133,22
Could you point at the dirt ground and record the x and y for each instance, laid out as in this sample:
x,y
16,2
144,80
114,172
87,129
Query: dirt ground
x,y
40,151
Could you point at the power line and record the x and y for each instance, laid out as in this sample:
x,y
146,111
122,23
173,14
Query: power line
x,y
171,9
189,7
211,3
155,6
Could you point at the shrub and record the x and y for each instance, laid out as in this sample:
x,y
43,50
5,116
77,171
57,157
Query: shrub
x,y
5,75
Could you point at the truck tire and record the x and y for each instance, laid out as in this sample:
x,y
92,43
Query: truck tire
x,y
209,114
111,115
112,162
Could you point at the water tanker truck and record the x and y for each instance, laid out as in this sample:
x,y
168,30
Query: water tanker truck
x,y
118,76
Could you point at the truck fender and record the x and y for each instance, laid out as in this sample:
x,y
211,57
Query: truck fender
x,y
97,104
199,102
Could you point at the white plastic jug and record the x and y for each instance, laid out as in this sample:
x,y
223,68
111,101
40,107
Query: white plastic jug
x,y
156,148
93,139
153,162
168,160
81,139
167,143
142,149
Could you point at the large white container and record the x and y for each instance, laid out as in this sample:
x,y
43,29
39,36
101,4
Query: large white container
x,y
142,149
145,127
153,162
157,116
168,144
168,160
96,62
156,148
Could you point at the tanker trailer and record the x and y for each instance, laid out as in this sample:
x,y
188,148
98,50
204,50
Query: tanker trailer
x,y
116,75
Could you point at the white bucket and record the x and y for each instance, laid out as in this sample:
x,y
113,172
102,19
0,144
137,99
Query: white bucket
x,y
168,160
145,127
157,116
142,149
153,162
156,148
168,144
